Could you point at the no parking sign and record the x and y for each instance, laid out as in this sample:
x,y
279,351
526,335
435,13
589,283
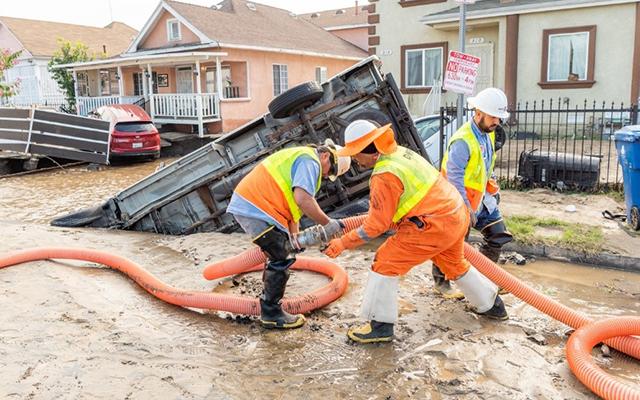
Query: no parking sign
x,y
461,72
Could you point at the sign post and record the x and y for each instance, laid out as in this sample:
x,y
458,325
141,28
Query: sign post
x,y
461,40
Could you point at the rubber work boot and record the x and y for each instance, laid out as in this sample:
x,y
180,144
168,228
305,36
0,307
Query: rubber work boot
x,y
498,311
443,286
372,332
272,316
493,254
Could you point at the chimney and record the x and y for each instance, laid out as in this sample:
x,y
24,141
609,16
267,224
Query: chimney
x,y
356,7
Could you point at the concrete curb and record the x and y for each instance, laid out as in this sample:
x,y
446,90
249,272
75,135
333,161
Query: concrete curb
x,y
603,260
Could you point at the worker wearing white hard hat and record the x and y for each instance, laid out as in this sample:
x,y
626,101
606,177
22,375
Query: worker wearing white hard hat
x,y
469,165
268,203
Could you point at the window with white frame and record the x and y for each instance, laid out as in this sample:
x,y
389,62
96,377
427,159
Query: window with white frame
x,y
83,84
568,57
173,30
280,79
321,74
105,83
422,67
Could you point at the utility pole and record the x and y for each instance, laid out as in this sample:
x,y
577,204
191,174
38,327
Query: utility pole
x,y
461,40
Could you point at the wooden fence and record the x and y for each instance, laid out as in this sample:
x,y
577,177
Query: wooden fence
x,y
54,134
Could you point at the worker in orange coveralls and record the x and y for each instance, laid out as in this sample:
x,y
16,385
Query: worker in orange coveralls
x,y
432,225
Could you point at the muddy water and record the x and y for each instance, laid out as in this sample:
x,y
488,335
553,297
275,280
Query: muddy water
x,y
74,330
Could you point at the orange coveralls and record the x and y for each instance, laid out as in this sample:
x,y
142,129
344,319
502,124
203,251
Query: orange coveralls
x,y
445,222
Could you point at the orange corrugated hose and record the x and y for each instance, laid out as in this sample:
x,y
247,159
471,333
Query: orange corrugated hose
x,y
203,300
615,332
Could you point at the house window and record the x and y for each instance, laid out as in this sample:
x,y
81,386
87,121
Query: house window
x,y
422,65
173,30
321,74
105,85
568,58
83,84
138,84
280,79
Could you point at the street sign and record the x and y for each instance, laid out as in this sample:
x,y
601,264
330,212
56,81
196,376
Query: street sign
x,y
461,72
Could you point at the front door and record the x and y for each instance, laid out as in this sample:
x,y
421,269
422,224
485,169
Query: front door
x,y
184,80
485,74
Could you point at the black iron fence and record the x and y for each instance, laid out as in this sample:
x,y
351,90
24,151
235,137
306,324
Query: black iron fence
x,y
559,145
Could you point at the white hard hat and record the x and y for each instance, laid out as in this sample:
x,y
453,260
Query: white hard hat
x,y
359,134
490,101
344,163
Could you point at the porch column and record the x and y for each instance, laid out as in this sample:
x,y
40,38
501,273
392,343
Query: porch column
x,y
75,90
152,107
120,84
199,99
219,78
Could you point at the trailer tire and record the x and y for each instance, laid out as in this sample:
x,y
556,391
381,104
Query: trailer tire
x,y
294,99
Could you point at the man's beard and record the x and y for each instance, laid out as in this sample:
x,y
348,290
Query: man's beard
x,y
486,129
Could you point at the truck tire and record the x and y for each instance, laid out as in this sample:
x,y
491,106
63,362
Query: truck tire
x,y
295,98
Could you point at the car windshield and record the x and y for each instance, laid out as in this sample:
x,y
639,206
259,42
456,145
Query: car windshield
x,y
134,127
428,127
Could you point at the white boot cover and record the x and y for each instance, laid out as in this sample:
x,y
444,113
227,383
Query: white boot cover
x,y
478,290
380,300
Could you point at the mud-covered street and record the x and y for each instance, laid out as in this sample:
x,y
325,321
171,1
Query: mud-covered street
x,y
75,330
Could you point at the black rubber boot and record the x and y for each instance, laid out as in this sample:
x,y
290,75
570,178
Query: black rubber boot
x,y
272,316
498,311
372,332
443,286
493,254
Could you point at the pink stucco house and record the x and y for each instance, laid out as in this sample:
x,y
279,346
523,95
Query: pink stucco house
x,y
212,69
350,23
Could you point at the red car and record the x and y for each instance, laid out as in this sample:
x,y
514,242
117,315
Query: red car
x,y
132,132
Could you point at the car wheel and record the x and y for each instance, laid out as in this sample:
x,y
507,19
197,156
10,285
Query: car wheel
x,y
294,99
635,218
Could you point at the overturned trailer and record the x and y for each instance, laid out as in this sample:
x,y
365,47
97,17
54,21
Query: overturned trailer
x,y
191,194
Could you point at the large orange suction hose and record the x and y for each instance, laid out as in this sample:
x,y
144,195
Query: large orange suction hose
x,y
616,331
203,300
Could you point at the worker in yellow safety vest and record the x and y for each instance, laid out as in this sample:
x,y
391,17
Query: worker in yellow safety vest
x,y
431,223
468,164
268,204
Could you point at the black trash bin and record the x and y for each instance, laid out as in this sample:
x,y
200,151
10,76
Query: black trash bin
x,y
544,168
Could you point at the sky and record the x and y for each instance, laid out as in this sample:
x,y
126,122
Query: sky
x,y
133,12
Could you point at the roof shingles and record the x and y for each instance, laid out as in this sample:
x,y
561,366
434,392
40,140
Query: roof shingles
x,y
40,38
233,23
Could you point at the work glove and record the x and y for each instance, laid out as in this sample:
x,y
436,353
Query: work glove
x,y
497,197
335,248
333,228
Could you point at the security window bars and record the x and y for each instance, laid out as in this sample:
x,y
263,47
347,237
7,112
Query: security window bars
x,y
280,79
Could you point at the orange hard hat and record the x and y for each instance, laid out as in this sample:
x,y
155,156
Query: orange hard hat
x,y
361,133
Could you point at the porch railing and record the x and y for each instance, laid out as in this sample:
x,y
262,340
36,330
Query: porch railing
x,y
185,106
86,104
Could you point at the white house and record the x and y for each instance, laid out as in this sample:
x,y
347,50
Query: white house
x,y
38,41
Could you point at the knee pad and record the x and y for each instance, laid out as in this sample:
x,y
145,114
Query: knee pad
x,y
275,243
496,234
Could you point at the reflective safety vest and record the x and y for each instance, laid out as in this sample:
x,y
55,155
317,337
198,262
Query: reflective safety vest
x,y
269,186
415,173
475,173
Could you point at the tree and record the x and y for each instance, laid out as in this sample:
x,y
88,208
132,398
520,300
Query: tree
x,y
8,60
67,54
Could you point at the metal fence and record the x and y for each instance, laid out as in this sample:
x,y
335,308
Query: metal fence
x,y
555,144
